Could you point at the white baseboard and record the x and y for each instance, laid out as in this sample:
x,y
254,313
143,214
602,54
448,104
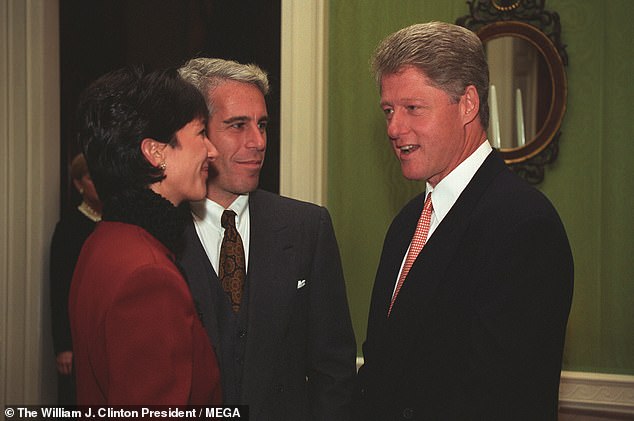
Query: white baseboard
x,y
600,394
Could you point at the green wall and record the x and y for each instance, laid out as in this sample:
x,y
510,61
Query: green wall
x,y
590,184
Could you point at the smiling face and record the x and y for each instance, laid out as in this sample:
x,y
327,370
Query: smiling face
x,y
237,128
187,164
427,129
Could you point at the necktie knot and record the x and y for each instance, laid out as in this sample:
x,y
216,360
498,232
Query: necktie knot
x,y
228,219
428,206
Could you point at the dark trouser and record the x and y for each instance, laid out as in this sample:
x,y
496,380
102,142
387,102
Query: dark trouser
x,y
66,390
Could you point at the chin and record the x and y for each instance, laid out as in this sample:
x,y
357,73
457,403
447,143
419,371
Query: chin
x,y
412,176
414,172
198,195
249,187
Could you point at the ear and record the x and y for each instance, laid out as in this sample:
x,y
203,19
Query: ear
x,y
469,104
153,151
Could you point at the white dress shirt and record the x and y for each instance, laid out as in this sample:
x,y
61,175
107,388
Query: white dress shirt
x,y
449,189
207,214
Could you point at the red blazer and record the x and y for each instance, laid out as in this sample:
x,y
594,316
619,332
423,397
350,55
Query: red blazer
x,y
136,334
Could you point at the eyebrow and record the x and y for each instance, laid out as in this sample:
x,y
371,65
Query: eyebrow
x,y
236,119
241,118
421,102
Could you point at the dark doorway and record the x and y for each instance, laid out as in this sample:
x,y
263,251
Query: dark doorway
x,y
97,36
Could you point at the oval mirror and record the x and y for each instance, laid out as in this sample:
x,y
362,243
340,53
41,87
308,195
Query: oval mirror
x,y
528,80
528,89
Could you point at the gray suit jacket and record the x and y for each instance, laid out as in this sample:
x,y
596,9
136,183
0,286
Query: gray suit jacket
x,y
300,350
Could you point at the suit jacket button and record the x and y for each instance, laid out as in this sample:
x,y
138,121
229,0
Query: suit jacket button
x,y
242,333
408,413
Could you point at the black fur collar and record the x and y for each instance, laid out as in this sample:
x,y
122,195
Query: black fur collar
x,y
151,212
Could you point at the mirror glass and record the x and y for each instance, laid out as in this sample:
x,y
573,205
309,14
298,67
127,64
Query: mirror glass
x,y
520,95
527,96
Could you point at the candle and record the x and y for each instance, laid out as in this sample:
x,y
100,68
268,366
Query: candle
x,y
495,119
519,118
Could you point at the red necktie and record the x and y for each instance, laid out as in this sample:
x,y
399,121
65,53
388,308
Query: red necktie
x,y
417,244
232,262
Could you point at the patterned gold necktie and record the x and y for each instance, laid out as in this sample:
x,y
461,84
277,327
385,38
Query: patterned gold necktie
x,y
232,262
417,244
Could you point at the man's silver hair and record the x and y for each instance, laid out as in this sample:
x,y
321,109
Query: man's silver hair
x,y
208,73
452,57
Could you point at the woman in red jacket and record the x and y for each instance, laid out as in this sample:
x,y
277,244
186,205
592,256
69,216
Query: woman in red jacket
x,y
137,337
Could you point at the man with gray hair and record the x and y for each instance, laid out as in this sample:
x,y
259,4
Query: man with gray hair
x,y
474,286
265,270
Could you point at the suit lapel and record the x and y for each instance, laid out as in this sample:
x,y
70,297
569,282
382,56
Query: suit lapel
x,y
271,286
201,276
393,254
426,272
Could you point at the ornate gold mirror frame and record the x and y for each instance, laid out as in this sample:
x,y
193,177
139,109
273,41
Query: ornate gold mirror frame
x,y
527,20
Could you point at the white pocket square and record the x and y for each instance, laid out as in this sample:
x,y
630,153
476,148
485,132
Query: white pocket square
x,y
301,283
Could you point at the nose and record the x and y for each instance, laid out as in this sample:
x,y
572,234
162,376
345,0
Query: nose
x,y
212,152
256,137
396,125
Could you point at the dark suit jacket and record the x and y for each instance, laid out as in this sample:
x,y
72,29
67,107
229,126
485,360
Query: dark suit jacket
x,y
70,233
477,330
137,339
300,350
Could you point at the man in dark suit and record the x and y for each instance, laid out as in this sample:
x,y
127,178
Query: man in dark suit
x,y
275,304
473,289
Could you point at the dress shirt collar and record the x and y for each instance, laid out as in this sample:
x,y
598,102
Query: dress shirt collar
x,y
449,188
210,212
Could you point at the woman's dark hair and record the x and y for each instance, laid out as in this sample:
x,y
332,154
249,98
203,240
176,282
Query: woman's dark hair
x,y
120,109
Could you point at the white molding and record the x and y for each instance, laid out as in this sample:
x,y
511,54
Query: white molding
x,y
596,394
303,100
4,192
29,161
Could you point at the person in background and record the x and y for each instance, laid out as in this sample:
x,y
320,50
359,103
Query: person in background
x,y
137,337
265,269
474,285
70,233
